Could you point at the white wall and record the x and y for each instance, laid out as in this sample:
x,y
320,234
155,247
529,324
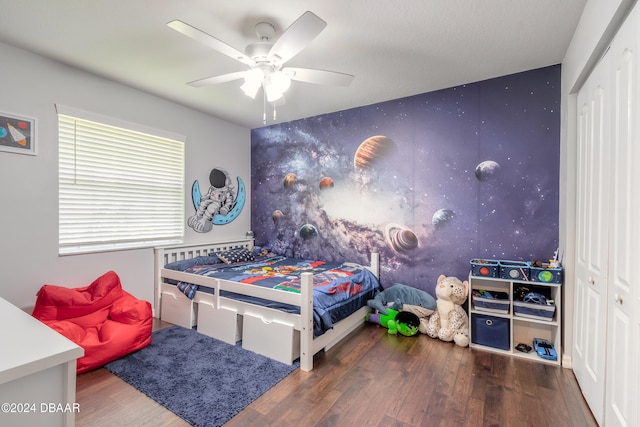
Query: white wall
x,y
599,22
31,86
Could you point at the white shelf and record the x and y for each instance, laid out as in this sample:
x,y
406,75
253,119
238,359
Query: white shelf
x,y
522,329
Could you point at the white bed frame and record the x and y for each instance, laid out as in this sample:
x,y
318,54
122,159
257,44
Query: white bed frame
x,y
273,333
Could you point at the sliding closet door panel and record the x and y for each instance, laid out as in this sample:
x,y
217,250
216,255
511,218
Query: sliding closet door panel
x,y
580,293
591,246
597,194
584,120
622,352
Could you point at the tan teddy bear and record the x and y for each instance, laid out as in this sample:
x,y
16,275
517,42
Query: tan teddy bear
x,y
450,322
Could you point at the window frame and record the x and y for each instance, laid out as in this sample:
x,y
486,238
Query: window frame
x,y
108,187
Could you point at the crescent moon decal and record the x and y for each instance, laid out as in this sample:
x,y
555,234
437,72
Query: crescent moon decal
x,y
195,194
236,209
233,213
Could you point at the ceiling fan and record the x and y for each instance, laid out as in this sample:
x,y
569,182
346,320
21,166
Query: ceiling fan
x,y
266,57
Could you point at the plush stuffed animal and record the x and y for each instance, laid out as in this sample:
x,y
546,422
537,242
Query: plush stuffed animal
x,y
450,322
405,298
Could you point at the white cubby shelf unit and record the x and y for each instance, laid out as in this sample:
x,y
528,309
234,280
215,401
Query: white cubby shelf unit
x,y
511,327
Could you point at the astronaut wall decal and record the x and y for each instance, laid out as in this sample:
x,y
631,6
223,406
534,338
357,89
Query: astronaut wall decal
x,y
220,205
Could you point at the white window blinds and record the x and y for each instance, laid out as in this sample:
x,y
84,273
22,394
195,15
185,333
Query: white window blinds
x,y
118,188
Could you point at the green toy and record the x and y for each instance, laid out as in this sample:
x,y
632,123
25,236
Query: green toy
x,y
396,322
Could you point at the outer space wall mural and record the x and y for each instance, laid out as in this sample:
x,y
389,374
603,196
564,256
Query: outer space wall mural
x,y
429,181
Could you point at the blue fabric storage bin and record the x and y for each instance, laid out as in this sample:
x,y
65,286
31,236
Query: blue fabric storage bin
x,y
514,270
490,331
485,268
534,311
496,304
546,274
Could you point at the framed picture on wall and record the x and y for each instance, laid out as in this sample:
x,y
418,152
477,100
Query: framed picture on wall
x,y
17,134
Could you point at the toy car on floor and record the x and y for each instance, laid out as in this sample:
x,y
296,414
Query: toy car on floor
x,y
544,349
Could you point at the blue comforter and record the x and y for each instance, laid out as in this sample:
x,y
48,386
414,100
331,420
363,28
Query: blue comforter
x,y
339,289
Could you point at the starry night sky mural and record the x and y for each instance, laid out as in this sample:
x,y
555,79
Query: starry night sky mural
x,y
429,181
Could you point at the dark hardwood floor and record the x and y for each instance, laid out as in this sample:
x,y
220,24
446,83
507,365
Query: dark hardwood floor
x,y
376,379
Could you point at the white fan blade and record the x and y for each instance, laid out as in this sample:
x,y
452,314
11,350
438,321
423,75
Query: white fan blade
x,y
217,79
210,41
296,37
323,77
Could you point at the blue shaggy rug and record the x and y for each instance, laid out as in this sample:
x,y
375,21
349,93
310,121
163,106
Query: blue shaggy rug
x,y
202,380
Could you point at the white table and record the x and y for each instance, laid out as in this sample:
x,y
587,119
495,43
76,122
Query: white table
x,y
37,372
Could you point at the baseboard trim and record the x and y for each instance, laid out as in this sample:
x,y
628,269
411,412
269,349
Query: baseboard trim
x,y
566,362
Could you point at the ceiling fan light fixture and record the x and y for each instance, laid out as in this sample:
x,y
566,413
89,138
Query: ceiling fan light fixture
x,y
252,82
280,81
273,94
250,89
275,85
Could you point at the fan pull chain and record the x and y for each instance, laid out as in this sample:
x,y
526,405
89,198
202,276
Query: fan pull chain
x,y
264,107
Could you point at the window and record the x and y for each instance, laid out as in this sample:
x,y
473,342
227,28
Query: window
x,y
119,186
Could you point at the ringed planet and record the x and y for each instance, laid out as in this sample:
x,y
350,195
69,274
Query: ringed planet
x,y
400,238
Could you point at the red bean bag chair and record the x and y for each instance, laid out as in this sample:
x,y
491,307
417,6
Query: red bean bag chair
x,y
102,318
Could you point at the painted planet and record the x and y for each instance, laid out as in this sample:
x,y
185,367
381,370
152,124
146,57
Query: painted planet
x,y
545,276
3,132
325,183
400,238
371,150
277,215
308,231
486,170
441,217
290,179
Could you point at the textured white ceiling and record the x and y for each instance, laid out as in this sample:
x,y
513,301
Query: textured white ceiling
x,y
395,48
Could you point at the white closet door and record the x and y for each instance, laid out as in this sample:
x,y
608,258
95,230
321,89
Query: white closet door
x,y
622,398
594,121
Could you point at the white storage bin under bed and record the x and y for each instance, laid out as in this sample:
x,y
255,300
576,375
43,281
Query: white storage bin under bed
x,y
224,324
176,308
274,339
